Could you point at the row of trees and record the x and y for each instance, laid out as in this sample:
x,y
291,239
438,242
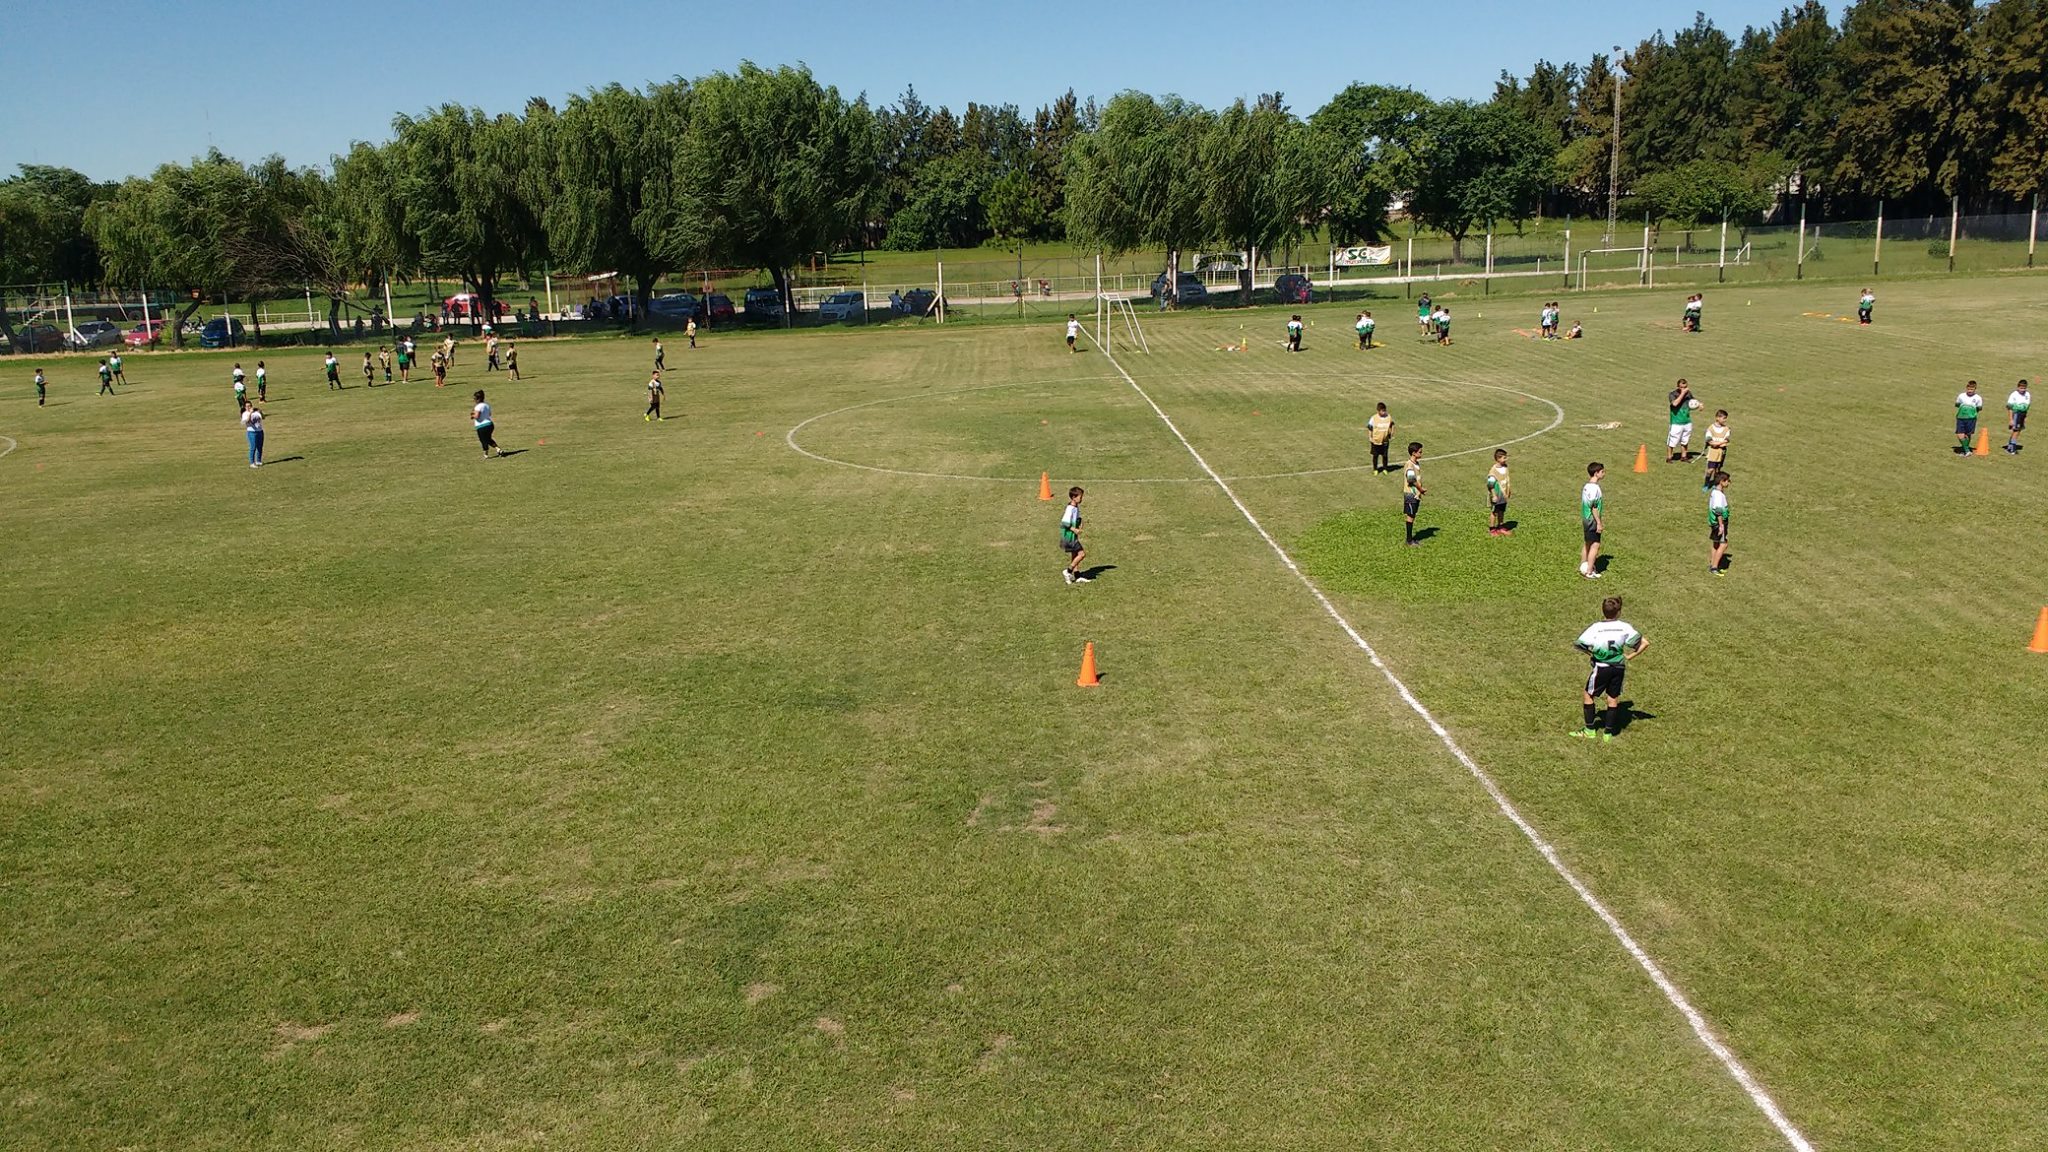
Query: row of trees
x,y
1908,100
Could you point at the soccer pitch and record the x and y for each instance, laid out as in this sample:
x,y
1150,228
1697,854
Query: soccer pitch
x,y
723,782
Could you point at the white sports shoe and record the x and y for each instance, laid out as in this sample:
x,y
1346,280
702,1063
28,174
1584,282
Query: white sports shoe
x,y
1067,574
1083,579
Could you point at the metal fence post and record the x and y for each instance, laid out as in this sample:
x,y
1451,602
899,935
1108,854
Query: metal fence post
x,y
1799,260
2033,228
1955,218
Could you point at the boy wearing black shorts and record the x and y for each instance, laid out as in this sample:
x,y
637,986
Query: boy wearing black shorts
x,y
1611,643
1070,537
1412,491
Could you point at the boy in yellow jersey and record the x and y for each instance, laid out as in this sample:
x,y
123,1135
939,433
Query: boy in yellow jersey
x,y
1381,429
1412,491
1717,447
1497,494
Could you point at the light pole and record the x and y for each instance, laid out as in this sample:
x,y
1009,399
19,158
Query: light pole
x,y
1614,157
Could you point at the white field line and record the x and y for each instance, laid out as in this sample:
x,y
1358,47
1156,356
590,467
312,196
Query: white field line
x,y
1700,1027
11,445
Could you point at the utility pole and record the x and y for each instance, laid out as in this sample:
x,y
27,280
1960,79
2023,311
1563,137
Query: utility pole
x,y
1614,157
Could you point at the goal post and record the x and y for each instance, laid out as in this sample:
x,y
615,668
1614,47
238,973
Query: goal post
x,y
1640,263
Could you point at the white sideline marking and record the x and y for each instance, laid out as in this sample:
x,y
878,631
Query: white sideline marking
x,y
1693,1016
11,445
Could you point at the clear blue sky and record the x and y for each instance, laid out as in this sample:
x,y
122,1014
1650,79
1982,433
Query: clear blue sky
x,y
116,88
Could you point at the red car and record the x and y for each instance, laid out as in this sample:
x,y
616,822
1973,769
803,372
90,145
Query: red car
x,y
718,309
1293,288
144,335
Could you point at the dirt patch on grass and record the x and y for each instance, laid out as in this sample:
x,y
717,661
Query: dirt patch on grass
x,y
992,1053
493,1027
1043,814
289,1036
902,1095
334,802
402,1019
832,1030
756,993
980,809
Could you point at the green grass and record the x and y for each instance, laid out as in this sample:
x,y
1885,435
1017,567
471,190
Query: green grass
x,y
662,787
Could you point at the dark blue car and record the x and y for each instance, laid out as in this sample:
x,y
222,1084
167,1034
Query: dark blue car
x,y
221,332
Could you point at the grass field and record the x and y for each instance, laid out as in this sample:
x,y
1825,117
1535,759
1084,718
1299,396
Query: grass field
x,y
662,786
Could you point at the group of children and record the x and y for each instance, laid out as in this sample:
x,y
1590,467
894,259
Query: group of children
x,y
1549,320
1690,321
1970,402
1433,319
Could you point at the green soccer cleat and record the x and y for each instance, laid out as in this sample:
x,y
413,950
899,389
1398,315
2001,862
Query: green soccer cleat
x,y
1584,734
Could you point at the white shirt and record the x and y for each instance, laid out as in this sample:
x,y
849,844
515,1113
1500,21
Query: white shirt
x,y
2019,400
252,420
481,414
238,375
1867,300
1966,400
1590,495
261,374
1606,641
239,386
1073,329
1717,501
1071,518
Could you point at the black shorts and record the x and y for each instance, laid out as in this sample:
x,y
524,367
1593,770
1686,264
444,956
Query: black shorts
x,y
1071,545
1592,533
1605,680
1500,508
2019,421
1966,427
1410,505
486,435
1717,533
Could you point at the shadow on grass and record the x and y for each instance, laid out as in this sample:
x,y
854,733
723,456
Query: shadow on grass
x,y
1629,715
1097,570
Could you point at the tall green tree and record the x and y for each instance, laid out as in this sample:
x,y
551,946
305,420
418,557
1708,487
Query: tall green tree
x,y
1132,180
180,229
43,237
1798,94
1909,122
1679,99
1264,174
613,164
2013,102
772,166
466,182
1370,132
1477,165
1706,191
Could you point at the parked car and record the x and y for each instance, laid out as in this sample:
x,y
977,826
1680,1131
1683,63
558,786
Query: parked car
x,y
918,301
221,332
95,334
38,338
763,304
1189,289
145,334
1293,288
674,305
718,308
843,306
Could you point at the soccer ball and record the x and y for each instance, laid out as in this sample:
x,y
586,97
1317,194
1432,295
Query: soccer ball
x,y
1693,403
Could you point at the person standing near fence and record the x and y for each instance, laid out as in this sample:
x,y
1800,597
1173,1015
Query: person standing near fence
x,y
1864,305
252,425
2016,406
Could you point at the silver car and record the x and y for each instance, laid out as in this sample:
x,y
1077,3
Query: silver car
x,y
96,334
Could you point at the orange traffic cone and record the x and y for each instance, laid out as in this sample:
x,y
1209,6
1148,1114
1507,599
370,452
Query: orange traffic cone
x,y
1983,443
1089,679
1642,457
2040,643
1045,485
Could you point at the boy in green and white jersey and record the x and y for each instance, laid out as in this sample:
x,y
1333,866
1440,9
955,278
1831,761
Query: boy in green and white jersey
x,y
1611,643
1412,491
241,389
1497,494
106,379
114,362
1864,304
1968,404
2016,417
1717,523
1593,518
42,387
262,382
333,367
1070,537
1365,327
1294,332
1425,316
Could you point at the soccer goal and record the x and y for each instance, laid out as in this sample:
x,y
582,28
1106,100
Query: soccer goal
x,y
1115,320
1637,259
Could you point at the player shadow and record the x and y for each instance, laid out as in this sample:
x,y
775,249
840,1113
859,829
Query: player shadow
x,y
1422,534
1629,715
1602,564
1097,570
504,452
282,460
1511,525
